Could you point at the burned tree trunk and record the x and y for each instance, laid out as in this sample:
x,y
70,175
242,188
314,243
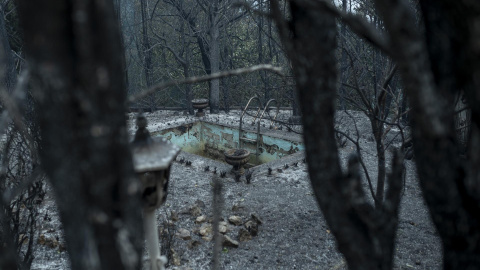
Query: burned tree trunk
x,y
75,57
434,71
214,34
365,235
147,55
7,66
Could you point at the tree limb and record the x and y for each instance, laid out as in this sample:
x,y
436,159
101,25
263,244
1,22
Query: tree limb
x,y
199,79
357,23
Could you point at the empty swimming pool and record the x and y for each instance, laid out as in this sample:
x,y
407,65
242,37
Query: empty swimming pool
x,y
211,140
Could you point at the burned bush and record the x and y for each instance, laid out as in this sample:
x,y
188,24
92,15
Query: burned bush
x,y
22,191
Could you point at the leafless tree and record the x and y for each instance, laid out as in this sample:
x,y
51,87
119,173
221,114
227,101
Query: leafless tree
x,y
74,53
22,190
365,235
434,68
8,66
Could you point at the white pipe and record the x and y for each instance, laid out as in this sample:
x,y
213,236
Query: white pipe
x,y
151,235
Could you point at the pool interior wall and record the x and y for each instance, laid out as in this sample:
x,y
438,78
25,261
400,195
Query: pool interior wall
x,y
211,140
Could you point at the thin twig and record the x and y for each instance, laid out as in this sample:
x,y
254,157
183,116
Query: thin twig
x,y
10,194
359,154
253,10
11,104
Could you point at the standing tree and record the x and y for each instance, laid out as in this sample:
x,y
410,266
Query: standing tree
x,y
435,67
206,27
7,66
365,235
145,51
74,53
181,50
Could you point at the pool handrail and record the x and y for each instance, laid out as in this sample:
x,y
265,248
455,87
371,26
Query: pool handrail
x,y
266,107
240,135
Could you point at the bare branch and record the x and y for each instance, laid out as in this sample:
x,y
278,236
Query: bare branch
x,y
359,154
217,212
199,79
395,183
10,102
253,10
10,194
357,23
389,77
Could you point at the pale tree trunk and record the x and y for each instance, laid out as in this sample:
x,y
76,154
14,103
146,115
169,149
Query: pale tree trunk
x,y
147,54
188,87
186,71
377,129
77,77
261,57
225,82
214,57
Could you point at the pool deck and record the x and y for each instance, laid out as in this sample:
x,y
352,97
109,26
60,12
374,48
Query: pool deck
x,y
162,120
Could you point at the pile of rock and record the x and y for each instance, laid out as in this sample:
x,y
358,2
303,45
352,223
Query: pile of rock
x,y
245,228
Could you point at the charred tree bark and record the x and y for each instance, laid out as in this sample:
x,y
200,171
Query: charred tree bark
x,y
365,235
225,82
432,75
214,57
75,58
261,57
7,66
147,54
377,128
455,62
118,14
188,87
343,61
8,258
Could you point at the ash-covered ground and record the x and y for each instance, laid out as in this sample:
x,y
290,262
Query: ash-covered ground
x,y
272,223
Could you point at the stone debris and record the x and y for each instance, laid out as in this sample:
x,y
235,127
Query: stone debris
x,y
205,229
173,216
183,234
252,227
193,244
229,242
235,220
237,207
256,218
51,242
223,227
200,219
175,258
244,235
207,238
200,204
195,211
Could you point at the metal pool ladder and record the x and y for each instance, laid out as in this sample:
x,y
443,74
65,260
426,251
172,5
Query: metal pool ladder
x,y
241,137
